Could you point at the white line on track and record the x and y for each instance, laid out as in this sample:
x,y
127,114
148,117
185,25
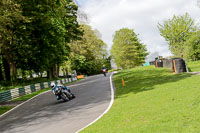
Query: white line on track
x,y
111,102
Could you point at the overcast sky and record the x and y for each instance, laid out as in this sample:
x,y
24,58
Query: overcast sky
x,y
143,16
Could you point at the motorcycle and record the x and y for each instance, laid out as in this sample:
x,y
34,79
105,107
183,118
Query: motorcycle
x,y
104,72
63,94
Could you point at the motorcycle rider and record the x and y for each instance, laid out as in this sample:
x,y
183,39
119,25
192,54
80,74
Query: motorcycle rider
x,y
104,70
54,86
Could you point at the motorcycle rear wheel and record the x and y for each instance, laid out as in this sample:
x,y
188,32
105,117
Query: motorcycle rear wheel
x,y
73,96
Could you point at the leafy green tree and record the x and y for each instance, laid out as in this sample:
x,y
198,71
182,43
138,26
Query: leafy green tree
x,y
127,50
88,53
53,23
34,34
10,18
1,66
107,62
176,32
192,52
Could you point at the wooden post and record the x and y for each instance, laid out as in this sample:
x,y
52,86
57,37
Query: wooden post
x,y
123,83
174,66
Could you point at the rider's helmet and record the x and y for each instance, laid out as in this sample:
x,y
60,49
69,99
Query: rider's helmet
x,y
53,85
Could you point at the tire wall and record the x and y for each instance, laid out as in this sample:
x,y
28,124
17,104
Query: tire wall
x,y
168,63
158,63
179,65
152,63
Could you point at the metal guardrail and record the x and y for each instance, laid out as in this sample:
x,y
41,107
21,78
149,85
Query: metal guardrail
x,y
18,92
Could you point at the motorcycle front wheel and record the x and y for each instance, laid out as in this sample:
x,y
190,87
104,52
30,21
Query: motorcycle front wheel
x,y
69,96
64,97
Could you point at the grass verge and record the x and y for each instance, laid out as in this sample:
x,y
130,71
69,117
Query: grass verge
x,y
153,101
194,66
4,109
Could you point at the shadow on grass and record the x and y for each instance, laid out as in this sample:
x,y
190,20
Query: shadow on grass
x,y
139,80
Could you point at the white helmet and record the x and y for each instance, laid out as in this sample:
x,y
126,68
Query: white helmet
x,y
53,85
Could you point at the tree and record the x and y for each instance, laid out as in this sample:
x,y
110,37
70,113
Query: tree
x,y
10,18
53,24
34,34
127,50
192,52
176,32
88,53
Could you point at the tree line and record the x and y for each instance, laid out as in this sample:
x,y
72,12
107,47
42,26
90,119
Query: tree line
x,y
44,35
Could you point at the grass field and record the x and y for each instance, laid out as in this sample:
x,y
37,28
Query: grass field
x,y
153,101
194,66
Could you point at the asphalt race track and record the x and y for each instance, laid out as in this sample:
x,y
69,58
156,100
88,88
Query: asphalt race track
x,y
44,114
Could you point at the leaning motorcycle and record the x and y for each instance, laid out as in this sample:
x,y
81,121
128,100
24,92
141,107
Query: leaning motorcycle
x,y
63,94
104,72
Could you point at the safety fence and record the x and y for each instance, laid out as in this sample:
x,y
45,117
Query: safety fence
x,y
18,92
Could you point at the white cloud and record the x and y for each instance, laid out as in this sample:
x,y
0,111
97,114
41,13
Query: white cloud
x,y
141,15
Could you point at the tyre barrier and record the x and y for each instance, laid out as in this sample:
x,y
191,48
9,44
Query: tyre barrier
x,y
18,92
168,63
158,63
152,62
179,65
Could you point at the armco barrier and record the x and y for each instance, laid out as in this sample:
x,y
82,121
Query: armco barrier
x,y
18,92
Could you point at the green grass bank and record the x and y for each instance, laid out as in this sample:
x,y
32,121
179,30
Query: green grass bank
x,y
153,101
194,66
